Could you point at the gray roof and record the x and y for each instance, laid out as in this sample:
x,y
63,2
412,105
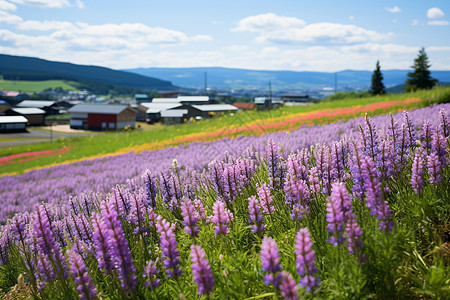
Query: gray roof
x,y
174,113
35,103
13,119
153,108
98,108
215,107
28,110
165,100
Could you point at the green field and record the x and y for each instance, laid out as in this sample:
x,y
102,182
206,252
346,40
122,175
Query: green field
x,y
34,86
162,136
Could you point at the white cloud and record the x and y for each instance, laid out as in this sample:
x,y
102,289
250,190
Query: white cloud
x,y
351,18
237,48
394,9
268,22
8,18
438,23
45,25
4,5
435,13
415,22
79,4
43,3
202,38
288,30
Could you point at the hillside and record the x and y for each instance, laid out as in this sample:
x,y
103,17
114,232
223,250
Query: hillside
x,y
29,68
280,80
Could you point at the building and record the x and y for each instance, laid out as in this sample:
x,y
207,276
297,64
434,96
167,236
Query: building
x,y
35,116
46,105
141,98
263,103
102,117
12,123
294,99
173,116
209,110
153,110
244,105
4,106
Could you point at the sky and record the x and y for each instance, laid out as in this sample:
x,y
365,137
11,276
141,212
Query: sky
x,y
322,35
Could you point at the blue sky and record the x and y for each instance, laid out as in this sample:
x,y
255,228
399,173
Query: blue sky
x,y
266,35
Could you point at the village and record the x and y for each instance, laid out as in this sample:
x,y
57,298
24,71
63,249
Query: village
x,y
82,110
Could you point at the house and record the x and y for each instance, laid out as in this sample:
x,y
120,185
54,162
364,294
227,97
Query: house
x,y
194,100
102,117
244,105
209,110
294,99
165,100
173,116
263,103
168,94
153,112
141,98
12,123
35,116
46,105
13,97
4,106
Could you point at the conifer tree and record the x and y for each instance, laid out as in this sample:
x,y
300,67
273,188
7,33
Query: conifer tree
x,y
377,86
420,78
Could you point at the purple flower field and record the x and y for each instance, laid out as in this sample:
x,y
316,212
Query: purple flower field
x,y
356,209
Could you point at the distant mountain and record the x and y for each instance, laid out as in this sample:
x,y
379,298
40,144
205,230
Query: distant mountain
x,y
218,78
29,68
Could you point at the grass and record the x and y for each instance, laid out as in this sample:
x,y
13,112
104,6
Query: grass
x,y
241,123
34,86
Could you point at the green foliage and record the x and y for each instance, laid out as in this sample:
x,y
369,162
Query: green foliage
x,y
346,95
377,86
421,77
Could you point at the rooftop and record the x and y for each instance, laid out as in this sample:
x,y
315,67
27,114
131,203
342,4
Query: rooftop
x,y
174,113
28,110
13,119
215,107
35,103
98,108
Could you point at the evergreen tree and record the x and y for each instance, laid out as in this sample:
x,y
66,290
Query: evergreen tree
x,y
377,86
420,78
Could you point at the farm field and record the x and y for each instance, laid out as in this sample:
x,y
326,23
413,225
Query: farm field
x,y
34,86
241,123
354,209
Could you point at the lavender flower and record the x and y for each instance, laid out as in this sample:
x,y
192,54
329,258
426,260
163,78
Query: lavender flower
x,y
313,179
305,260
410,129
189,217
121,252
444,123
427,136
270,261
265,199
79,272
101,237
434,168
417,173
150,188
201,270
353,233
438,146
169,246
222,216
276,167
255,216
150,272
337,205
288,287
371,138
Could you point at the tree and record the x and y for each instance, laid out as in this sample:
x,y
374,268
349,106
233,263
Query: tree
x,y
420,78
377,86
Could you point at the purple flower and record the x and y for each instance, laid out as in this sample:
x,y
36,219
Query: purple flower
x,y
337,205
120,251
270,261
427,136
438,145
151,189
150,272
288,287
201,270
444,123
410,129
275,165
255,216
189,217
434,168
169,245
353,233
265,199
79,272
417,173
313,179
222,216
231,182
103,251
370,138
305,259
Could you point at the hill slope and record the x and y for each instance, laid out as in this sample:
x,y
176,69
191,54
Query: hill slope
x,y
241,78
29,68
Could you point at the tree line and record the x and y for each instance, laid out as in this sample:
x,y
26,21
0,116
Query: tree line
x,y
420,78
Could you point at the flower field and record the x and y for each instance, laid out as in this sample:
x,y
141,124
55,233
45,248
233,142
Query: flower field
x,y
355,209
